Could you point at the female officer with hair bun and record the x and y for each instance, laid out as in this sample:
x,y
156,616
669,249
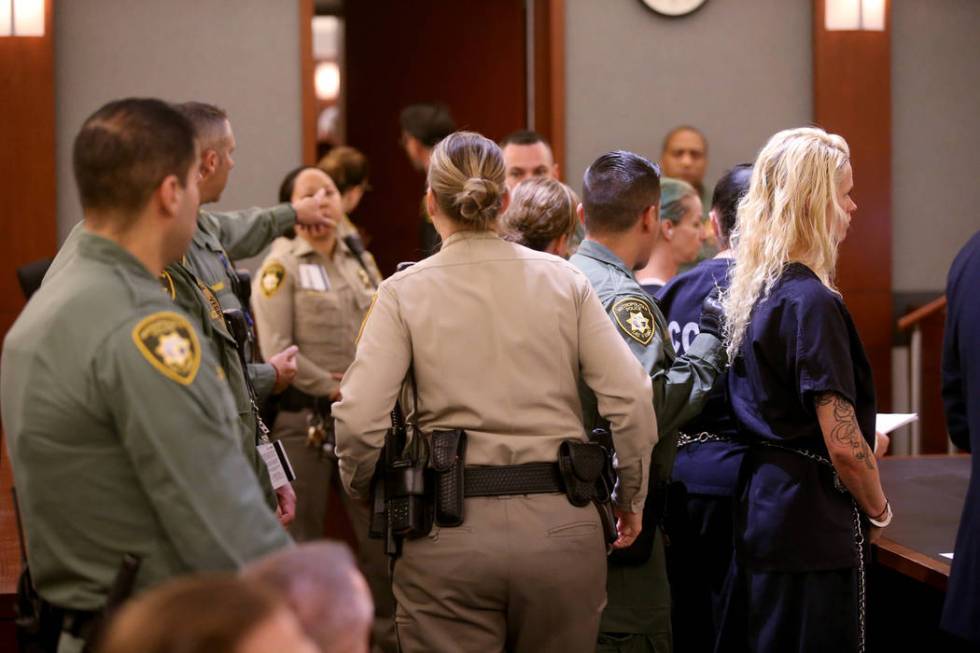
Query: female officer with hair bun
x,y
495,338
542,216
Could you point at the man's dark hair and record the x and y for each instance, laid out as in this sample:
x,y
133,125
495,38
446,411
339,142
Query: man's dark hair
x,y
729,191
523,137
683,128
126,149
429,122
208,121
617,188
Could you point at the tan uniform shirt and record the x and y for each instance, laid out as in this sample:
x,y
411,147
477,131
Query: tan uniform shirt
x,y
301,297
499,336
346,228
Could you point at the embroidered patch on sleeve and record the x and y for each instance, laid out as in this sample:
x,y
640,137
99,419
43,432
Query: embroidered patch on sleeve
x,y
167,282
367,314
169,343
271,278
634,318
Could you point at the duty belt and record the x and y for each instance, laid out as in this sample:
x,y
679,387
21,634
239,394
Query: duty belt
x,y
531,478
294,400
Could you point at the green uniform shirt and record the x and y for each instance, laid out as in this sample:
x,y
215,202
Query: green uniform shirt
x,y
197,300
225,237
123,435
639,597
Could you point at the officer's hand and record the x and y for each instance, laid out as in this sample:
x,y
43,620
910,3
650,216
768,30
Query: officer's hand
x,y
881,447
285,364
308,210
334,394
712,314
628,525
286,512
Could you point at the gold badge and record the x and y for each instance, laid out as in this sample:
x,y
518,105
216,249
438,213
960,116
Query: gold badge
x,y
169,343
271,278
167,282
634,317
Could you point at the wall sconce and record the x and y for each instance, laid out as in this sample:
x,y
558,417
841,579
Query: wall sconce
x,y
864,15
327,80
21,17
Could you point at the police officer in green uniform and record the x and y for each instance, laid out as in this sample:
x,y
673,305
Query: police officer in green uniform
x,y
122,433
620,206
221,238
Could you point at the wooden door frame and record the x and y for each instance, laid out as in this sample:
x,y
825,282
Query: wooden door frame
x,y
548,69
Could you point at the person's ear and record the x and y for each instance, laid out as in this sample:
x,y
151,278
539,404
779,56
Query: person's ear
x,y
715,224
580,212
209,163
556,172
667,229
561,246
651,218
168,195
430,202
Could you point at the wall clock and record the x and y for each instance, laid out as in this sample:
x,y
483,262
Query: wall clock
x,y
673,7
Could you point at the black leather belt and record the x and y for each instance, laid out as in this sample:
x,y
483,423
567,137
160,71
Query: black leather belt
x,y
294,400
532,478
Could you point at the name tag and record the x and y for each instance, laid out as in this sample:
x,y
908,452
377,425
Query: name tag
x,y
277,462
313,277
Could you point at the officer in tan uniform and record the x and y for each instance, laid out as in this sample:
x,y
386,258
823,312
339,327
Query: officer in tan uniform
x,y
313,292
497,338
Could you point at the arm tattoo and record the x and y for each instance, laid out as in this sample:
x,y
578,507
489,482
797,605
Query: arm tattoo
x,y
845,429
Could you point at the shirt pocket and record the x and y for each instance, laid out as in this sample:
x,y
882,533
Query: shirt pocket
x,y
319,316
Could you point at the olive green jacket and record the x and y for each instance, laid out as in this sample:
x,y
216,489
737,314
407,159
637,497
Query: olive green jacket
x,y
639,597
225,237
123,435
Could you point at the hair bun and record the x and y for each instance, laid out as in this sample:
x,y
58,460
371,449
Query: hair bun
x,y
479,200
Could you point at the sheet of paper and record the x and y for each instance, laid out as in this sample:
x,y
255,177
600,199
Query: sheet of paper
x,y
947,555
888,422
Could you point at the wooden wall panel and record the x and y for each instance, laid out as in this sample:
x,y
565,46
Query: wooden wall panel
x,y
27,166
549,75
468,54
852,97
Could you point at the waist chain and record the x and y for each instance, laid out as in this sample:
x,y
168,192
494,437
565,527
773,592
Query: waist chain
x,y
684,439
857,532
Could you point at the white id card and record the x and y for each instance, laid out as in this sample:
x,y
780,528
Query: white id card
x,y
313,277
277,462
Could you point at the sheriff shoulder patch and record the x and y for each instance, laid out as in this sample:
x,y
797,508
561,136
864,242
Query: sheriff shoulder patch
x,y
168,342
634,318
367,314
271,278
167,282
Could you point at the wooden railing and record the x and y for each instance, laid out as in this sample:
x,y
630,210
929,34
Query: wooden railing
x,y
925,378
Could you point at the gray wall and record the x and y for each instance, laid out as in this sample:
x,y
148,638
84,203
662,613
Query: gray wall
x,y
935,137
241,55
740,70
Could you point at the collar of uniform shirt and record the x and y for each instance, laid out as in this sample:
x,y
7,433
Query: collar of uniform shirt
x,y
460,236
600,252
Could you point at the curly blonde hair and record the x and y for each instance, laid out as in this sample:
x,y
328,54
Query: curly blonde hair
x,y
541,211
790,213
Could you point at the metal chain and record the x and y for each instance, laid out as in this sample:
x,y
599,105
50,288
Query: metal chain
x,y
858,537
685,439
263,429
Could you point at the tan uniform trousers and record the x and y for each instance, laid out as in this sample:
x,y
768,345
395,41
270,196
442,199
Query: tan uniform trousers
x,y
523,573
313,484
